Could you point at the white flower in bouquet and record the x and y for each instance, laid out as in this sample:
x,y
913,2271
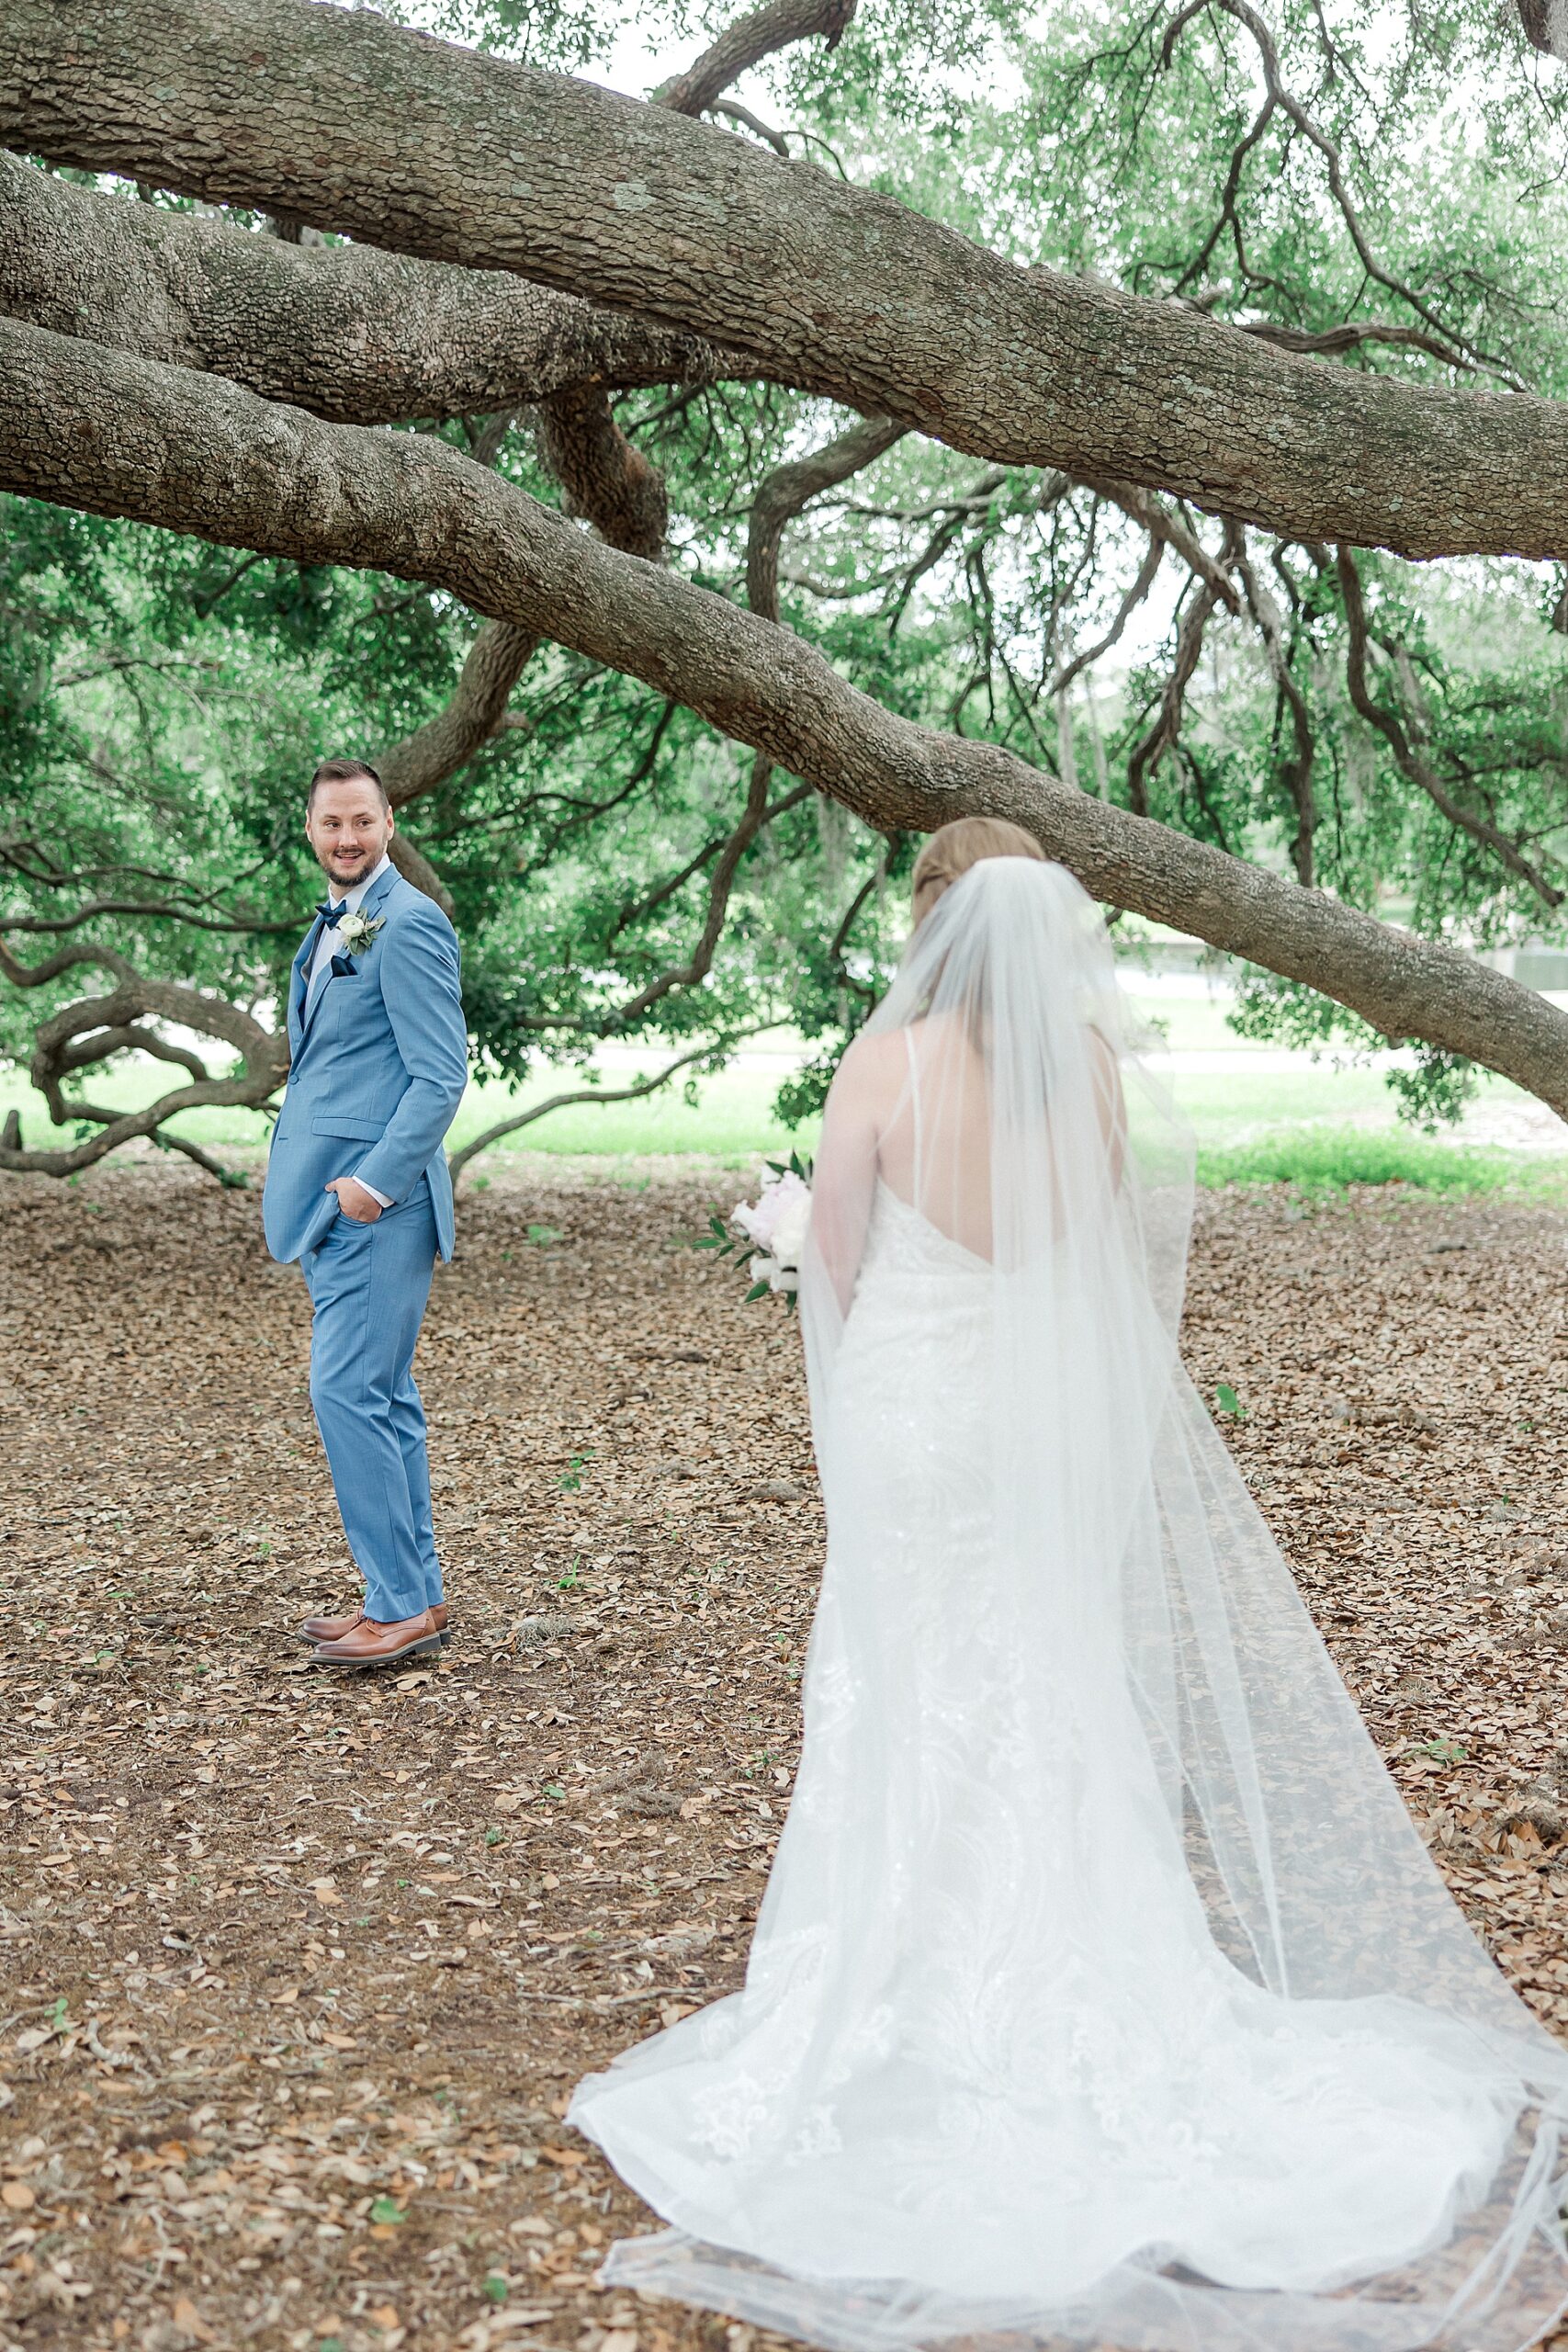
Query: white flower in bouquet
x,y
774,1226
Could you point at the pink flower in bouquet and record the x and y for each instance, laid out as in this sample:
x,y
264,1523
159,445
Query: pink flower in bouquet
x,y
776,1225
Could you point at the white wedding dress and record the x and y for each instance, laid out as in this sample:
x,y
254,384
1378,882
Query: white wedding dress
x,y
1102,1993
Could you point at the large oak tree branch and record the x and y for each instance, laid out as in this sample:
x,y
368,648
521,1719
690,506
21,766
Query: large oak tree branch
x,y
366,336
358,125
117,436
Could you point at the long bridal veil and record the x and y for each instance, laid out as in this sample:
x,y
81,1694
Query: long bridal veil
x,y
1103,1991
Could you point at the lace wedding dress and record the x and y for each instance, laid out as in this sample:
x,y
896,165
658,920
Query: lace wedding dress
x,y
1103,1993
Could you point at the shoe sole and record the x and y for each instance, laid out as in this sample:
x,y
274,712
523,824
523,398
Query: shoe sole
x,y
313,1641
429,1645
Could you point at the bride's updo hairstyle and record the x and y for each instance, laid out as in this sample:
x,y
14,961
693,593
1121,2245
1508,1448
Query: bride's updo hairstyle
x,y
953,849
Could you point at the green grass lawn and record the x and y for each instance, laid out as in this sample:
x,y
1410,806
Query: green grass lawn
x,y
733,1119
1313,1125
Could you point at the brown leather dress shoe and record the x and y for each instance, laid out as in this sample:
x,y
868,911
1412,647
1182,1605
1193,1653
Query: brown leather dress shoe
x,y
333,1629
371,1643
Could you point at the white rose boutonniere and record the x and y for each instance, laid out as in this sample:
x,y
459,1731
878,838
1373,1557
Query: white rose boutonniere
x,y
357,933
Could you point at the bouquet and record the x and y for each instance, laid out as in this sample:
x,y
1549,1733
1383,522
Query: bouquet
x,y
772,1229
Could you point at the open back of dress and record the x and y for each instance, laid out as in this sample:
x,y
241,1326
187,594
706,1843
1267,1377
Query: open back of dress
x,y
1103,1991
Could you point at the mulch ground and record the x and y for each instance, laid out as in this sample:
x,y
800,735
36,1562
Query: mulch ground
x,y
299,1971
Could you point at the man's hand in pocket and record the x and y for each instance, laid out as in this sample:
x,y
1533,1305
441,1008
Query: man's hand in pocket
x,y
354,1201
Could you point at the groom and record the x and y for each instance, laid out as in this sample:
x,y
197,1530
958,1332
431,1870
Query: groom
x,y
357,1190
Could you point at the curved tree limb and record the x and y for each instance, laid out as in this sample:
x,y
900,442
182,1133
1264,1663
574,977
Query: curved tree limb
x,y
1407,754
778,24
93,907
1135,596
604,479
1163,735
116,435
841,290
714,1051
1285,99
1156,517
731,111
1331,341
1294,773
789,487
639,909
88,1031
753,817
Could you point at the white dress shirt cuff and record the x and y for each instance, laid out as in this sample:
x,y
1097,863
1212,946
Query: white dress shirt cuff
x,y
375,1195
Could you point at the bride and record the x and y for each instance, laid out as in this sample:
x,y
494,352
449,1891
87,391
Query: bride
x,y
1103,1991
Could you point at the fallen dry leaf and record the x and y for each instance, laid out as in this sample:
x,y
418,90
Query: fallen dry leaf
x,y
251,2078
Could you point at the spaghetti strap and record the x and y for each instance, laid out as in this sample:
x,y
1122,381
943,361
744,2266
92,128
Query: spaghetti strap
x,y
914,1106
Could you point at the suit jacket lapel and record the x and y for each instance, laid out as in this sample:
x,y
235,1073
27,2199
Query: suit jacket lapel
x,y
310,1005
298,982
378,890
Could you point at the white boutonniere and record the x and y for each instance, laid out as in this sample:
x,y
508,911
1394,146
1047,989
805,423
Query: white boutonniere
x,y
357,933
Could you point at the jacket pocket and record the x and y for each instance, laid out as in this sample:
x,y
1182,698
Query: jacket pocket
x,y
338,1123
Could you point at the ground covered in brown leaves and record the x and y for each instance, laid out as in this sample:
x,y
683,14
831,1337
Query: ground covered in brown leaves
x,y
299,1971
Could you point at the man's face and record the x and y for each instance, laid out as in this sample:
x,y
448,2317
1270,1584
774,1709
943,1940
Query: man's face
x,y
348,829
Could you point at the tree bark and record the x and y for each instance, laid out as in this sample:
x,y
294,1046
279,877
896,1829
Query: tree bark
x,y
1546,24
117,436
364,336
604,479
762,32
357,125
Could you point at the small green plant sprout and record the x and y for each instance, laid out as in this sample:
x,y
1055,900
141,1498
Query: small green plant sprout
x,y
541,1235
1229,1402
388,2209
493,1836
570,1479
1443,1751
496,2288
573,1579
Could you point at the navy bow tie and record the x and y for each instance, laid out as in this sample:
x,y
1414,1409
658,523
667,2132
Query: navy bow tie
x,y
330,914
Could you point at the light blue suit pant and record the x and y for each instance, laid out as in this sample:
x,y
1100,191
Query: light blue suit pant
x,y
368,1285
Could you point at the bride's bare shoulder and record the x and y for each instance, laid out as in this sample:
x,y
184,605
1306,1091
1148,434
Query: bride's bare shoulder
x,y
873,1067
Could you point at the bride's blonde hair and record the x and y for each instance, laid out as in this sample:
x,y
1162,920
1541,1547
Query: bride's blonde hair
x,y
953,849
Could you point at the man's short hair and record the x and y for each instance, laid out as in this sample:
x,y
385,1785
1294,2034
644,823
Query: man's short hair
x,y
346,771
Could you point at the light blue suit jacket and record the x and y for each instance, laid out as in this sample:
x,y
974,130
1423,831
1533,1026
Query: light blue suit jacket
x,y
378,1069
